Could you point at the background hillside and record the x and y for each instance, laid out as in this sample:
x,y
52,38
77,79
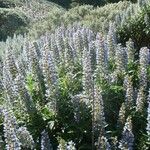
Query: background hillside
x,y
26,15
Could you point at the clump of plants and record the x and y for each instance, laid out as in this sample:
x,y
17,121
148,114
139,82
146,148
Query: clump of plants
x,y
74,89
83,15
137,26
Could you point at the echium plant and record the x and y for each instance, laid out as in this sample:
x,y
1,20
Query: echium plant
x,y
62,67
120,59
32,57
16,137
92,49
77,40
63,145
68,54
54,49
127,140
103,143
99,123
8,87
78,102
144,60
130,50
101,56
10,130
111,41
84,37
87,80
24,95
50,77
129,101
59,39
148,118
122,116
25,138
140,101
98,112
45,141
10,63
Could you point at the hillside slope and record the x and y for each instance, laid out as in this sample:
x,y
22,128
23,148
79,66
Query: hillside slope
x,y
16,16
96,18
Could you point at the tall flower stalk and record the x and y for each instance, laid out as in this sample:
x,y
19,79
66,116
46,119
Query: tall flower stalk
x,y
87,75
144,60
50,78
127,140
10,130
148,118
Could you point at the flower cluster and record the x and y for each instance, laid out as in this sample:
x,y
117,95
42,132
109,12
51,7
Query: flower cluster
x,y
75,78
10,130
127,140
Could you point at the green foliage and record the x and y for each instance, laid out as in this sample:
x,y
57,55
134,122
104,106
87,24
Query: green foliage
x,y
30,16
61,124
89,2
136,27
72,3
63,3
12,21
95,18
9,3
113,96
49,23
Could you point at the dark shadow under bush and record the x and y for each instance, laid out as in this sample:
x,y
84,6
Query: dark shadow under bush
x,y
11,21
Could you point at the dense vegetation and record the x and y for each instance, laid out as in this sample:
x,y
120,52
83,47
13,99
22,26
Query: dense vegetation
x,y
72,3
76,79
12,22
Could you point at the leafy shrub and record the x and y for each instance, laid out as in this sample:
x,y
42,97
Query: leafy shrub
x,y
98,19
27,14
9,3
63,3
49,23
95,18
137,27
38,10
11,21
72,3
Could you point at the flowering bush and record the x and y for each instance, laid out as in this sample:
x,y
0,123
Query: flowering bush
x,y
74,89
137,26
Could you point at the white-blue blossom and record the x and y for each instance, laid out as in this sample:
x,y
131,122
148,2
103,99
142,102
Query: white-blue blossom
x,y
148,118
45,141
10,130
127,140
